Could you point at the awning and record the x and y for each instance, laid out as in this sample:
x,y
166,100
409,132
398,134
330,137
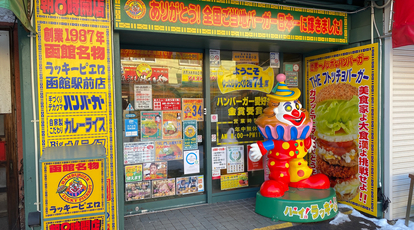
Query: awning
x,y
18,8
403,27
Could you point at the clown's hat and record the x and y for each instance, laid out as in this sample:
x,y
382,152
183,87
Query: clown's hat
x,y
281,92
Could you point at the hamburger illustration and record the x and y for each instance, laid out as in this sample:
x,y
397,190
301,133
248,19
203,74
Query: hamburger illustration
x,y
336,121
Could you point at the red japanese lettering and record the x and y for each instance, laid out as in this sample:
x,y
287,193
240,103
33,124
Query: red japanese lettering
x,y
68,51
363,90
52,51
83,52
98,52
93,165
207,15
68,167
48,34
363,109
80,166
55,168
47,6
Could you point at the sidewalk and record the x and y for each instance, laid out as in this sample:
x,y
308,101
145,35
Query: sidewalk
x,y
238,214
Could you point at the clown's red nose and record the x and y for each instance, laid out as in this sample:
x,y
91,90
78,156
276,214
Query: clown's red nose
x,y
295,113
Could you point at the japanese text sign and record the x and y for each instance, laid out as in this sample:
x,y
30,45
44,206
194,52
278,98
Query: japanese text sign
x,y
73,188
241,19
75,86
193,109
84,223
245,77
342,99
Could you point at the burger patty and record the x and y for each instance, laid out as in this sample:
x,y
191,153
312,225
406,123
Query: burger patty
x,y
335,170
341,91
338,153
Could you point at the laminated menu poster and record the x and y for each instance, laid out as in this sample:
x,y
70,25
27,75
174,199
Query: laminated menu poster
x,y
191,162
190,184
190,134
133,173
231,181
137,190
139,152
219,157
143,97
193,109
171,125
151,125
162,188
168,150
235,159
155,170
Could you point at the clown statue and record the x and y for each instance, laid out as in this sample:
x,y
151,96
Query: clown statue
x,y
286,126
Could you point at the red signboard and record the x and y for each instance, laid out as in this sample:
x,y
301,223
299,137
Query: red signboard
x,y
167,104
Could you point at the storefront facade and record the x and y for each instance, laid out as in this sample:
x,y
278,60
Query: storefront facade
x,y
174,96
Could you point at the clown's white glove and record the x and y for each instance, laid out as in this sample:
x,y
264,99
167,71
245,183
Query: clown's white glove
x,y
312,147
255,154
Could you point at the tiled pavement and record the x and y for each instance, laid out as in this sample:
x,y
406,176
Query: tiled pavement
x,y
238,214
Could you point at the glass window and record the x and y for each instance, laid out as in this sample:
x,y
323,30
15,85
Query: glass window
x,y
162,101
235,110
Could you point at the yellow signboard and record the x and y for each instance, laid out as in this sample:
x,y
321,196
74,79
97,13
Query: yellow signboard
x,y
192,75
342,98
73,187
245,77
246,56
231,181
75,85
84,223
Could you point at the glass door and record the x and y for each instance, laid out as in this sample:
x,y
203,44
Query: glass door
x,y
163,123
239,84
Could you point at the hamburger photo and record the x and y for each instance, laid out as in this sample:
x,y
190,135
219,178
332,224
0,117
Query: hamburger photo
x,y
336,122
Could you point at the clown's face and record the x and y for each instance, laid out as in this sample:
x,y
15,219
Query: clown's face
x,y
290,113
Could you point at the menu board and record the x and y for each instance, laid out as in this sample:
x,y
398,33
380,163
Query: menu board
x,y
139,152
231,181
169,150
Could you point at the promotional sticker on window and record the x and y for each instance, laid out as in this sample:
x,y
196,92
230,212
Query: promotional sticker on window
x,y
235,159
191,162
137,190
155,170
193,109
231,181
139,152
131,127
163,188
190,184
143,97
171,125
169,150
133,173
190,134
151,125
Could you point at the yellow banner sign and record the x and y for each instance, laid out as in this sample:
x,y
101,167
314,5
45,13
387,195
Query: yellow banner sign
x,y
73,188
342,97
192,75
75,84
245,77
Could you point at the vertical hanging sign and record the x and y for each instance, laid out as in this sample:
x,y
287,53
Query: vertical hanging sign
x,y
75,85
342,97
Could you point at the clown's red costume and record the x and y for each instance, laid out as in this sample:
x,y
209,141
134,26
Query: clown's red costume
x,y
286,126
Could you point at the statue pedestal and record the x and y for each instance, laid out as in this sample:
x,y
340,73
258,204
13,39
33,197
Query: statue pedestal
x,y
299,205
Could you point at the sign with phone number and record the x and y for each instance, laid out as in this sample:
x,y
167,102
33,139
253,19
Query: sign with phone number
x,y
193,109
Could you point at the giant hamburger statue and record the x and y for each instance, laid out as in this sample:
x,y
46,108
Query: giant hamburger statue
x,y
286,127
